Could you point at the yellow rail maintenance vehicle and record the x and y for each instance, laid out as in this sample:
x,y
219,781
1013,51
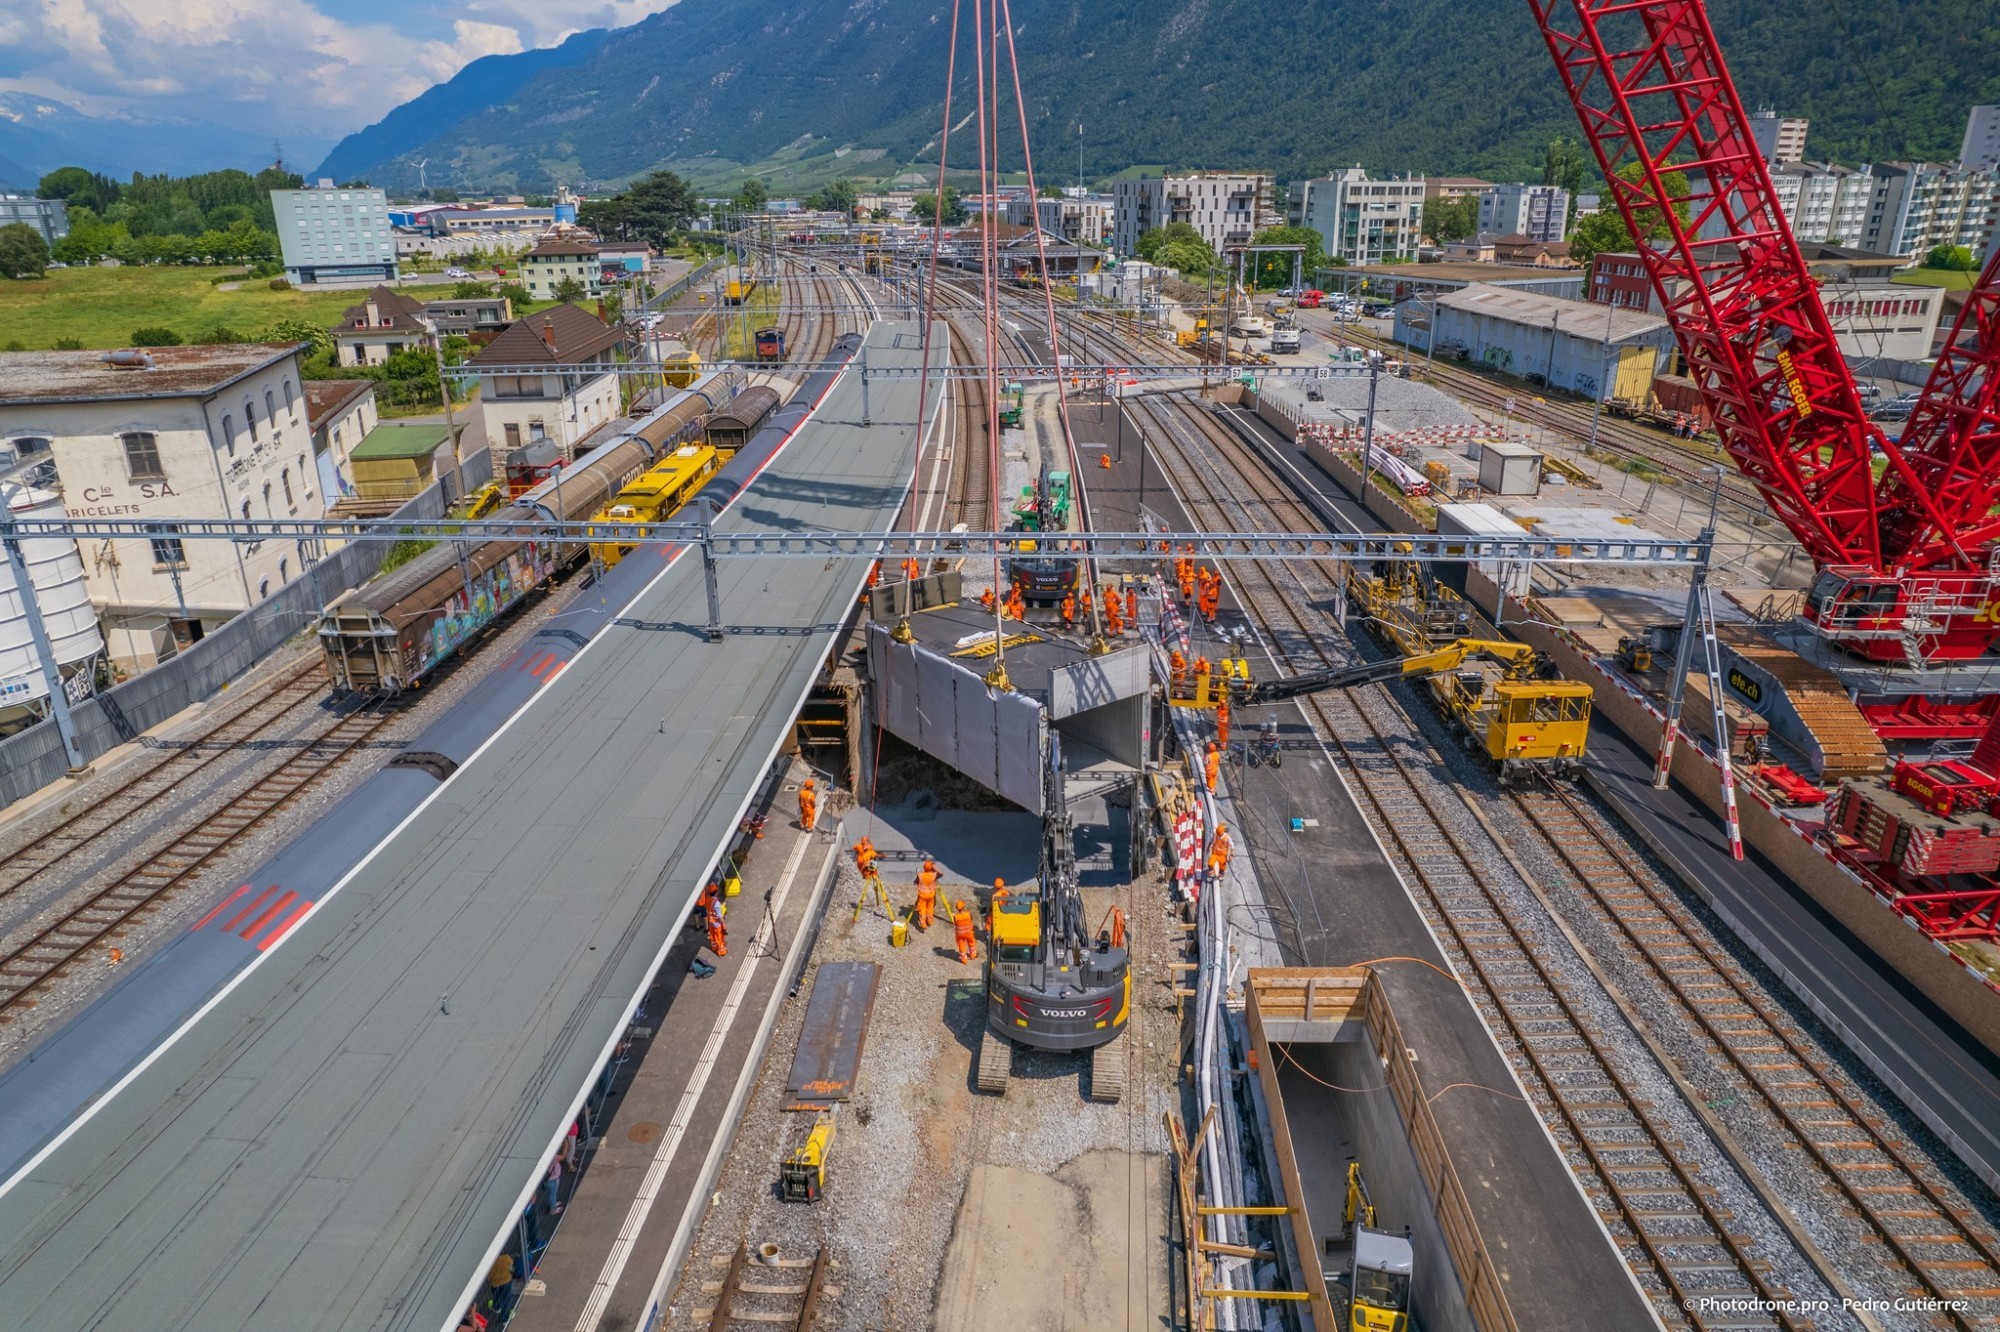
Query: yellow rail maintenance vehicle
x,y
653,496
1505,698
738,289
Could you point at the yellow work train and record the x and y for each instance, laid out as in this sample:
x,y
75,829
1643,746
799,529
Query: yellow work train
x,y
738,290
653,496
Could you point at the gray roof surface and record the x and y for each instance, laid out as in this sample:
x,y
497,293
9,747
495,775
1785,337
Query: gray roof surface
x,y
341,1139
1582,319
175,372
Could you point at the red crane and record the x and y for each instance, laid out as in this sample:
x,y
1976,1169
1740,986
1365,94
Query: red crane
x,y
1903,531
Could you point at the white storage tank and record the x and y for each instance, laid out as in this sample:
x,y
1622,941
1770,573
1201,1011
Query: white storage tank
x,y
56,571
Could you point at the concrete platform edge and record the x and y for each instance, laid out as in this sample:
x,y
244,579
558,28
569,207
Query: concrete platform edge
x,y
746,1079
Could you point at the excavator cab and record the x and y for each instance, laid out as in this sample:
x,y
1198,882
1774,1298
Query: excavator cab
x,y
1379,1283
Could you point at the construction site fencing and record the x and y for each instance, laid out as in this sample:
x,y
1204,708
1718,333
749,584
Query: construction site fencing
x,y
34,758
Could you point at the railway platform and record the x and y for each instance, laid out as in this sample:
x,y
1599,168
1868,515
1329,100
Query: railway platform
x,y
341,1134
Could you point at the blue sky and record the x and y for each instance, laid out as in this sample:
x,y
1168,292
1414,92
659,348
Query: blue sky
x,y
322,67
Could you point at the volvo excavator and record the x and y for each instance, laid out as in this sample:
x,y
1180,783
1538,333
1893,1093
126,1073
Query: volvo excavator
x,y
1049,984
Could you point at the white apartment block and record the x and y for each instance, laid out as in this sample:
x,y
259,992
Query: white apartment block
x,y
1899,208
1225,208
548,377
335,235
1981,150
556,261
1538,212
1079,219
168,434
1360,220
1781,139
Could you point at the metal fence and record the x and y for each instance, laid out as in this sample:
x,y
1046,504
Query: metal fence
x,y
34,758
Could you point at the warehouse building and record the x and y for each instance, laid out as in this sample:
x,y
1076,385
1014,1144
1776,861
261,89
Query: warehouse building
x,y
1592,349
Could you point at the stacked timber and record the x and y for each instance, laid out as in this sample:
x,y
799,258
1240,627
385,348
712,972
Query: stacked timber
x,y
1889,829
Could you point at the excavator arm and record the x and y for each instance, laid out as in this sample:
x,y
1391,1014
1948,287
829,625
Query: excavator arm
x,y
1518,657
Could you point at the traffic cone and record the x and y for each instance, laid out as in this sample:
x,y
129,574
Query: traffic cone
x,y
1104,461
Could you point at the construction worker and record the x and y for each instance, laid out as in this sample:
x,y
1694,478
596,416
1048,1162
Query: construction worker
x,y
1218,852
910,570
986,599
718,933
1222,718
927,881
1132,607
1113,622
1179,672
1202,673
808,804
1017,609
961,924
1187,581
875,573
1069,610
864,857
1083,599
1212,765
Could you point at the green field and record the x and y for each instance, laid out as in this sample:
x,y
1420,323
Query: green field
x,y
1949,278
100,307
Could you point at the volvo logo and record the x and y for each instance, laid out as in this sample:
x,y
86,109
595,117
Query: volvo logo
x,y
1066,1012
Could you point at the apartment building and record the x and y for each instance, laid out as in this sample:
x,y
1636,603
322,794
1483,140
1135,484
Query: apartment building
x,y
330,234
1781,139
1892,208
48,216
1538,212
164,435
1080,219
1361,220
1225,208
548,377
555,261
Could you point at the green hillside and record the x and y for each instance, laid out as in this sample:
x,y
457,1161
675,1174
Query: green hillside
x,y
804,89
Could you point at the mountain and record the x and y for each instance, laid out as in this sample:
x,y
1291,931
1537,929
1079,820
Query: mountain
x,y
14,176
38,134
484,83
801,89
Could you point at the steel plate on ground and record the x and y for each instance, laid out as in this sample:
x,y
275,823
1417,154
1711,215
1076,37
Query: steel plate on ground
x,y
828,1059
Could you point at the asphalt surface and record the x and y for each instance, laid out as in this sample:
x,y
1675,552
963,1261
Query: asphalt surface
x,y
340,1137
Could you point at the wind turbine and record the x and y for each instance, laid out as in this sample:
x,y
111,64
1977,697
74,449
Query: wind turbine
x,y
423,185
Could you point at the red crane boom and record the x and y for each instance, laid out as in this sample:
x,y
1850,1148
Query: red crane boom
x,y
1903,556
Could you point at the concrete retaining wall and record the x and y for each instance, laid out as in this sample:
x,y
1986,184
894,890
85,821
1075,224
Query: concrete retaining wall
x,y
34,758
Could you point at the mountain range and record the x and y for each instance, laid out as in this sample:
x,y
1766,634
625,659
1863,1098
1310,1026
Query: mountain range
x,y
800,90
39,134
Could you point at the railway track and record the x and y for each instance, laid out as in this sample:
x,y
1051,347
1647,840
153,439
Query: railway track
x,y
108,911
1931,1232
798,1284
1643,1187
108,810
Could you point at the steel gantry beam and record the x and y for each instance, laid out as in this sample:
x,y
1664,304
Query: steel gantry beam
x,y
1023,373
1319,546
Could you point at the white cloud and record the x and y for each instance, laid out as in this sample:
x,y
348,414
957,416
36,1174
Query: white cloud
x,y
238,59
546,22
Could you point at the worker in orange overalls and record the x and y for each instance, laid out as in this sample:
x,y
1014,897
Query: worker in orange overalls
x,y
808,804
1202,671
1212,766
874,573
1187,580
1218,852
1179,672
864,857
927,881
1222,718
718,933
986,598
910,570
1083,599
1132,607
1113,622
1017,609
961,924
1069,610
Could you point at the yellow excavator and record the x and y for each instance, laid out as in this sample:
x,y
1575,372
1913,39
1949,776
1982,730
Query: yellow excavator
x,y
1049,985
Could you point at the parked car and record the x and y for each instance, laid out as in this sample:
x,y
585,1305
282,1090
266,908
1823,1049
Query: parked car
x,y
456,273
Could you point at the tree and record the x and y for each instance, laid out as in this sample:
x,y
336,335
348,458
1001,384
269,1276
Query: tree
x,y
23,252
836,196
1448,220
1952,258
569,289
1150,243
155,337
753,196
470,291
924,208
517,294
1275,270
1051,192
651,209
1562,164
79,187
1605,232
444,196
300,330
